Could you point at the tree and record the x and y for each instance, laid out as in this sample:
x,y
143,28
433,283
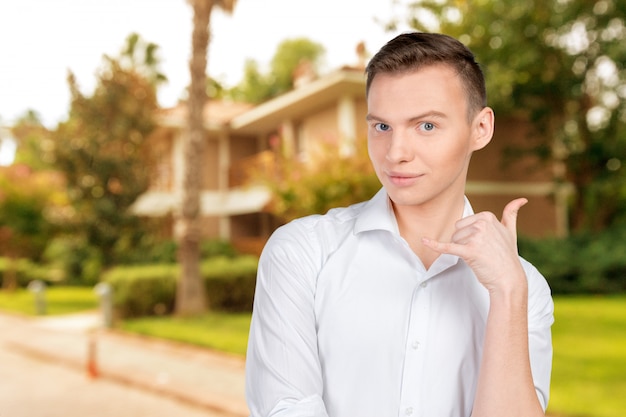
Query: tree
x,y
32,138
101,150
290,54
560,65
190,294
28,201
255,87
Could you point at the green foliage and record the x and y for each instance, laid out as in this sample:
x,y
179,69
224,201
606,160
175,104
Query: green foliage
x,y
230,282
74,262
101,150
212,248
290,54
32,138
27,201
26,271
143,57
152,250
583,263
142,290
257,86
328,181
71,262
559,63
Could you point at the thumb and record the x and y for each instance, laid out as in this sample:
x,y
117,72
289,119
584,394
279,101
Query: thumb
x,y
509,214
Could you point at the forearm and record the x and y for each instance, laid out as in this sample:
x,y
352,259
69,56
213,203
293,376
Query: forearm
x,y
505,383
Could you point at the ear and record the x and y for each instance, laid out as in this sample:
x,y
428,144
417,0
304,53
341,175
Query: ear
x,y
482,128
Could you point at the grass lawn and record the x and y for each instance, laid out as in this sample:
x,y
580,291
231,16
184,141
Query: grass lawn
x,y
58,300
589,338
589,368
227,332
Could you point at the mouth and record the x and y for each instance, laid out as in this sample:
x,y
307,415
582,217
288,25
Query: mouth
x,y
403,179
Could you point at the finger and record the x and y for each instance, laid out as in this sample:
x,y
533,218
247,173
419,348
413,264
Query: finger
x,y
509,214
441,247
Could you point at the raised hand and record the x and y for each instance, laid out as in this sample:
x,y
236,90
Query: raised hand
x,y
488,246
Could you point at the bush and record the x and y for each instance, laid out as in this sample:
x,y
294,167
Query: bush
x,y
154,251
25,272
141,290
583,263
230,282
75,261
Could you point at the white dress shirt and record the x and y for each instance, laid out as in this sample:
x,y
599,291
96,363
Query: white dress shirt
x,y
347,322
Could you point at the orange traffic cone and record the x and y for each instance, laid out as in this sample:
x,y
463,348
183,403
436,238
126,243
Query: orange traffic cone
x,y
92,363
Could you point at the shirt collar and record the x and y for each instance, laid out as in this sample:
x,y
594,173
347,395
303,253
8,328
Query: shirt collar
x,y
377,214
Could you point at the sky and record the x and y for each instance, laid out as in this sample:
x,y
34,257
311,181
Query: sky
x,y
40,40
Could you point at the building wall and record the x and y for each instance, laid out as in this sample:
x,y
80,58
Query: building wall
x,y
494,180
316,132
242,153
490,163
537,218
361,123
210,166
161,149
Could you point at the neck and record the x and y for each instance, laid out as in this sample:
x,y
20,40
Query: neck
x,y
432,220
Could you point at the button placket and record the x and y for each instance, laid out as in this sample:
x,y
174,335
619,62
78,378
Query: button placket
x,y
417,332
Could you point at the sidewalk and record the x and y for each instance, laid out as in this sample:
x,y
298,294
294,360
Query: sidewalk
x,y
198,376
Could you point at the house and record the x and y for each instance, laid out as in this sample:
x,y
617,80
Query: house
x,y
331,108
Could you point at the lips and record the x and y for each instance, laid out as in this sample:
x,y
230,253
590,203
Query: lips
x,y
403,179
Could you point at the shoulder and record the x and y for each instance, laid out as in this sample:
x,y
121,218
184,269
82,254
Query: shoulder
x,y
536,281
314,235
317,230
298,250
540,304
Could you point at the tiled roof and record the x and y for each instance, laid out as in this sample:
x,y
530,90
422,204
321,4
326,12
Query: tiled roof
x,y
215,112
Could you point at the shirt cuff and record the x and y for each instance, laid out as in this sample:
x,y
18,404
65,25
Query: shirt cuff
x,y
312,406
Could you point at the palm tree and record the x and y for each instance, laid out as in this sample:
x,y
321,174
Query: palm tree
x,y
190,294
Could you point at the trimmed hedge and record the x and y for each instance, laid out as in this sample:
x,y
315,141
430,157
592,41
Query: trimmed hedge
x,y
143,290
585,263
26,271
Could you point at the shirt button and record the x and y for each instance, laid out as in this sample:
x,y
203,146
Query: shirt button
x,y
408,411
415,345
424,284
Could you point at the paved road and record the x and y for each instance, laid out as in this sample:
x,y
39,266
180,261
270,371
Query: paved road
x,y
31,387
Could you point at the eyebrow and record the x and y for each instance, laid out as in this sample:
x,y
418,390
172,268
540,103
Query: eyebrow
x,y
430,113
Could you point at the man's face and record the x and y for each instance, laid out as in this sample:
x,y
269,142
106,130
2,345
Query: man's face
x,y
419,137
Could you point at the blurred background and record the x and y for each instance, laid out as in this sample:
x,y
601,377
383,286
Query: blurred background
x,y
149,148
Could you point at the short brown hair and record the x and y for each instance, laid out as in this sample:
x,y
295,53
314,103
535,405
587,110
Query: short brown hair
x,y
410,51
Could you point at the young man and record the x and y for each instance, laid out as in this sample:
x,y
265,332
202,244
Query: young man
x,y
408,304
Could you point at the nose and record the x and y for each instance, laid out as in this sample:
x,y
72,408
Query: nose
x,y
399,149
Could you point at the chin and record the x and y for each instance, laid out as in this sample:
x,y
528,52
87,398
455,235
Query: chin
x,y
406,197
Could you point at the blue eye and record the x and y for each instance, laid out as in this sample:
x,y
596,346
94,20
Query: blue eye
x,y
427,126
381,127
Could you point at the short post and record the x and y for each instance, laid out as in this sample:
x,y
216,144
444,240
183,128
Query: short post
x,y
105,293
92,357
38,288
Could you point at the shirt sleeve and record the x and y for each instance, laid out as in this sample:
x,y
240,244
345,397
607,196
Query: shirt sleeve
x,y
283,373
540,320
